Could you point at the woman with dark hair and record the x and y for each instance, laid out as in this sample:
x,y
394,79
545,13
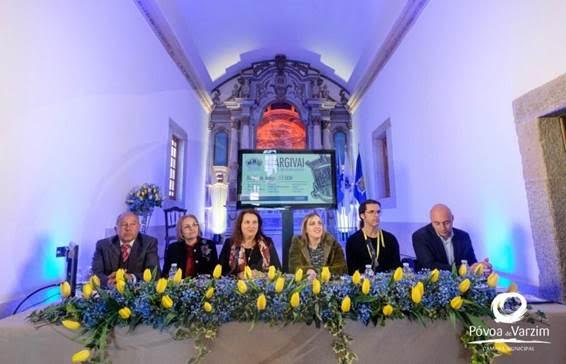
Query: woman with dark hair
x,y
315,248
192,254
248,246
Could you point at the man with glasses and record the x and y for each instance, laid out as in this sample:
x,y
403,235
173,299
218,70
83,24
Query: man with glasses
x,y
371,245
128,249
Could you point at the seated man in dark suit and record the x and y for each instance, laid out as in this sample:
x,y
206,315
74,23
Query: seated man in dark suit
x,y
129,250
440,245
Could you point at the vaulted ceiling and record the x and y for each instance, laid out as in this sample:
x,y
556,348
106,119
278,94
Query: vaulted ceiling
x,y
211,41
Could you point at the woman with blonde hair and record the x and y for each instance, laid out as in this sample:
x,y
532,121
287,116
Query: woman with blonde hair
x,y
315,248
192,254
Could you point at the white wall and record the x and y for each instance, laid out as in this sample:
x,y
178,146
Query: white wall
x,y
448,90
87,92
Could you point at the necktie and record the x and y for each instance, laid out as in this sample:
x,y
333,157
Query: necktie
x,y
125,252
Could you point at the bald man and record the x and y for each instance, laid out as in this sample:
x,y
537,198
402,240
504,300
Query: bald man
x,y
440,245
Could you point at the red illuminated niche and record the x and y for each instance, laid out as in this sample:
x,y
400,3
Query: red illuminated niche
x,y
281,128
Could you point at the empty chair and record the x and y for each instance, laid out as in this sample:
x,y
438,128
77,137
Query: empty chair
x,y
172,215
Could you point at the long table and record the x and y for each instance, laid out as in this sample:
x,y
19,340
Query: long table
x,y
400,341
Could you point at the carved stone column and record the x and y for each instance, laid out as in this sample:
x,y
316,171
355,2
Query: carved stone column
x,y
316,137
233,153
233,159
245,132
326,143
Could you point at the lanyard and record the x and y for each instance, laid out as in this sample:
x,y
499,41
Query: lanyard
x,y
380,243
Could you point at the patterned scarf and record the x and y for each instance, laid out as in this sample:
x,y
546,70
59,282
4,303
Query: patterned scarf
x,y
238,260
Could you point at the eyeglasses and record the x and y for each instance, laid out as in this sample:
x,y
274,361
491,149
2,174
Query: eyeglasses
x,y
124,226
194,225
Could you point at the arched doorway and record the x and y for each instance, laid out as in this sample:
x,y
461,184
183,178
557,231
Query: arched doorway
x,y
281,128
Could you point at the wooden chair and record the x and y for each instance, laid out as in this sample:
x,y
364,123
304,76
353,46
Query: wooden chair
x,y
172,215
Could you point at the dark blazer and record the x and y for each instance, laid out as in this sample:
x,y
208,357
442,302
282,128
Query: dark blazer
x,y
357,254
108,257
205,255
430,252
299,256
255,261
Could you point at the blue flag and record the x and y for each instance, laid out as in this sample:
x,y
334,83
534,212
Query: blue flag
x,y
339,180
359,185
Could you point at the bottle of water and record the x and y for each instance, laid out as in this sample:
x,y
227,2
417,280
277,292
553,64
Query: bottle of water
x,y
407,271
368,273
172,270
464,266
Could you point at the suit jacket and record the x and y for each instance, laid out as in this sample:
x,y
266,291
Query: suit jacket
x,y
299,256
430,252
205,256
108,257
358,257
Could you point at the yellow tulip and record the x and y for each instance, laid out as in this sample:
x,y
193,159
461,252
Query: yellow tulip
x,y
121,286
456,302
502,348
346,304
387,310
434,275
366,285
65,289
80,356
271,272
492,280
217,272
464,286
463,269
298,275
356,277
207,307
166,301
161,285
242,287
95,281
513,287
178,277
209,293
295,300
87,290
420,287
398,274
125,313
416,294
71,324
279,284
248,272
120,275
261,302
315,286
146,275
478,269
325,274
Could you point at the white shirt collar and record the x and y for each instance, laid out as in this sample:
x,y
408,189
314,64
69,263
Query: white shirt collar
x,y
446,241
130,243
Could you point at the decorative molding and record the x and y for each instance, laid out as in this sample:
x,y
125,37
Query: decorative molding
x,y
161,28
404,22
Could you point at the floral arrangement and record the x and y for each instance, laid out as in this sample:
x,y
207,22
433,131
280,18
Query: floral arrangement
x,y
143,199
196,307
